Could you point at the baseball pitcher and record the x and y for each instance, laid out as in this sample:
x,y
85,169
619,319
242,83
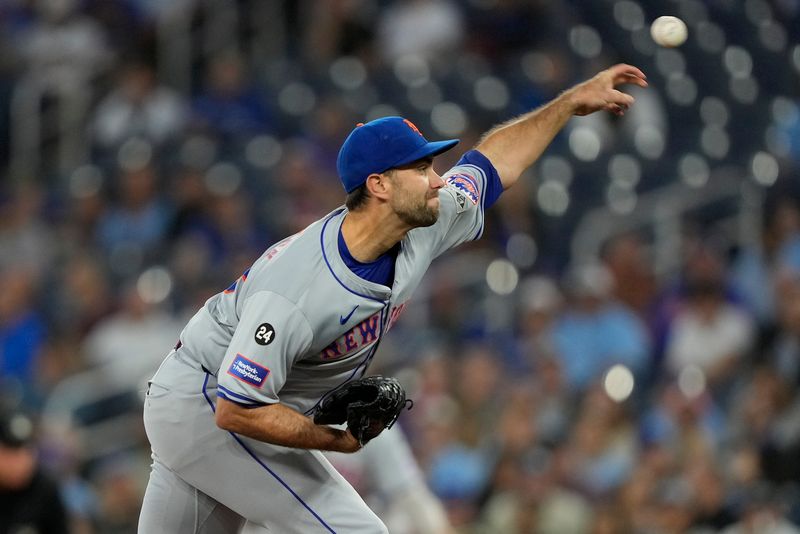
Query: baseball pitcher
x,y
231,412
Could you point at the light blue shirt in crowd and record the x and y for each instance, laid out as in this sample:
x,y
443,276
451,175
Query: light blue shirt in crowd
x,y
587,344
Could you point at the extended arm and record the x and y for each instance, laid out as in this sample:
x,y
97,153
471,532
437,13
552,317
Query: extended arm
x,y
515,145
280,425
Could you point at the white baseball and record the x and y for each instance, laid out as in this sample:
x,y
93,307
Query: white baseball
x,y
669,31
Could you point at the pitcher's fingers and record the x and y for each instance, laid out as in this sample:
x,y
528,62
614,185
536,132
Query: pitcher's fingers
x,y
628,74
625,69
615,109
631,79
635,81
623,99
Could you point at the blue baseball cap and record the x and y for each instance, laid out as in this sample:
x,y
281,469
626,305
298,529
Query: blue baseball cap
x,y
382,144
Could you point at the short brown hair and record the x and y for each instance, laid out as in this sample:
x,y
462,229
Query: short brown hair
x,y
357,197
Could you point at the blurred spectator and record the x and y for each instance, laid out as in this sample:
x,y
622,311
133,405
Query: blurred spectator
x,y
445,297
602,447
124,25
560,510
63,50
339,28
236,237
540,302
63,453
138,106
609,519
164,11
560,507
194,249
544,72
190,197
673,505
761,514
743,472
784,351
29,498
130,344
769,418
788,123
137,222
82,296
26,241
230,104
477,392
690,428
637,496
777,253
324,128
428,28
502,29
554,402
711,510
432,393
6,87
626,258
61,54
595,332
708,332
120,490
22,331
305,189
458,474
516,426
461,466
15,15
58,359
500,512
85,205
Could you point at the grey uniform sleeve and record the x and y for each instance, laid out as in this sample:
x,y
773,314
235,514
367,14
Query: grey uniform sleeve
x,y
271,336
462,202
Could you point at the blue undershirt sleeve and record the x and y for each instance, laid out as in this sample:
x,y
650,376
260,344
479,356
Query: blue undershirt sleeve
x,y
494,187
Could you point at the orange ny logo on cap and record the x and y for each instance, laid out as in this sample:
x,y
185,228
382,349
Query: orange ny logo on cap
x,y
412,126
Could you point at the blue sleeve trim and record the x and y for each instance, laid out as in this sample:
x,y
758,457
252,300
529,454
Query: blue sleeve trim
x,y
494,187
229,395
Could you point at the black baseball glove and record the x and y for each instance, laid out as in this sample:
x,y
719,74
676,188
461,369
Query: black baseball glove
x,y
369,405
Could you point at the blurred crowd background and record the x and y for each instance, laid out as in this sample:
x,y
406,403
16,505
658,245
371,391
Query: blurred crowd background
x,y
619,353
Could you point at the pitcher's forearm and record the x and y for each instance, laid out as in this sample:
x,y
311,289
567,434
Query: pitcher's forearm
x,y
280,425
515,145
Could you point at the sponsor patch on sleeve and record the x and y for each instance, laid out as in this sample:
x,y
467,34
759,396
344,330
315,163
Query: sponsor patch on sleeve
x,y
248,371
465,185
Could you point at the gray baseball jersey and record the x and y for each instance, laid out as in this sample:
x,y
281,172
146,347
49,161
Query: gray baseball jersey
x,y
296,326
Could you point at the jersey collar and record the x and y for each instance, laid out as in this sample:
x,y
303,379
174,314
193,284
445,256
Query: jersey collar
x,y
329,241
